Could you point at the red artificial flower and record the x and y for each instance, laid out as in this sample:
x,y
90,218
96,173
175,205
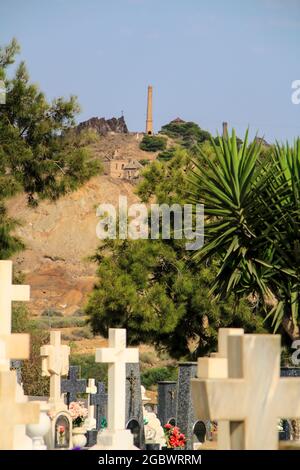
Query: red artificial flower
x,y
168,426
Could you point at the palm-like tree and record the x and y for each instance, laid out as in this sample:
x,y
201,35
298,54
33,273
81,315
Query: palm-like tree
x,y
252,210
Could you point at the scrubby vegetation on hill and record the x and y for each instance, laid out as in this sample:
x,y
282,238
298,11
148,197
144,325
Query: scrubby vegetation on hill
x,y
187,134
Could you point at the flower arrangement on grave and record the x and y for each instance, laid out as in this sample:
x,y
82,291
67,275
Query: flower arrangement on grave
x,y
174,438
78,413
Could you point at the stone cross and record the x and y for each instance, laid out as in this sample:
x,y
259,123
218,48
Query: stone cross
x,y
55,363
251,396
11,412
91,390
14,346
99,400
216,366
116,355
72,386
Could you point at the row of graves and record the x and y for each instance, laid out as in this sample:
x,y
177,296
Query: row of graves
x,y
234,399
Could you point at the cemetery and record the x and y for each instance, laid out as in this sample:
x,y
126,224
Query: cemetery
x,y
244,370
149,233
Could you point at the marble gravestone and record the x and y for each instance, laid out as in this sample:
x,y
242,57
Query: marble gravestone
x,y
134,405
246,390
73,385
166,405
15,410
285,434
116,355
195,430
55,363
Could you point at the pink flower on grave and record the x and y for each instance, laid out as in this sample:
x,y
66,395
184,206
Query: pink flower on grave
x,y
78,412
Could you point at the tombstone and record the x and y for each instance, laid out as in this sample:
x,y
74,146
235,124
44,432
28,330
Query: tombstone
x,y
116,436
55,363
91,389
185,418
16,412
134,405
98,401
285,434
251,396
166,405
73,385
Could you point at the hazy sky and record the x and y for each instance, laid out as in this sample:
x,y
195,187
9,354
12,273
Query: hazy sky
x,y
208,60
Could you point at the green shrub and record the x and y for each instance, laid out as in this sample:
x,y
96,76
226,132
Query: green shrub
x,y
59,322
153,143
83,333
166,155
144,161
188,133
90,368
150,377
51,312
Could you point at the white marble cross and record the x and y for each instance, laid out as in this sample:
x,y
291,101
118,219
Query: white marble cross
x,y
116,355
253,396
91,389
216,367
13,413
55,363
13,346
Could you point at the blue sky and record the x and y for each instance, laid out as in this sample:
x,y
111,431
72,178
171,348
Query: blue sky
x,y
208,60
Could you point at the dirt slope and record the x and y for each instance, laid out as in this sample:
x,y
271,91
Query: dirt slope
x,y
59,237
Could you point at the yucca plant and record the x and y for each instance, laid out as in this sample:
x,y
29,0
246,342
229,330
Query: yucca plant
x,y
252,224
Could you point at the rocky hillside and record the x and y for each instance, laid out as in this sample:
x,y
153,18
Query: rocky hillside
x,y
60,236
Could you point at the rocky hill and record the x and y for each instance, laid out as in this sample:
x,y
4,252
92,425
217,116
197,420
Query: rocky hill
x,y
102,126
60,236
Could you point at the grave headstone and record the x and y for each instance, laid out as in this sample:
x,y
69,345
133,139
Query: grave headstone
x,y
115,436
13,346
255,385
285,434
185,417
166,405
73,385
98,401
91,389
13,413
55,363
134,405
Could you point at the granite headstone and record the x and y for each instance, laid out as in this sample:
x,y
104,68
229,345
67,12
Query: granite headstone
x,y
185,419
134,404
166,405
73,385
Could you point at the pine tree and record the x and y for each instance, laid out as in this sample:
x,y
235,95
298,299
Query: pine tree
x,y
40,153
